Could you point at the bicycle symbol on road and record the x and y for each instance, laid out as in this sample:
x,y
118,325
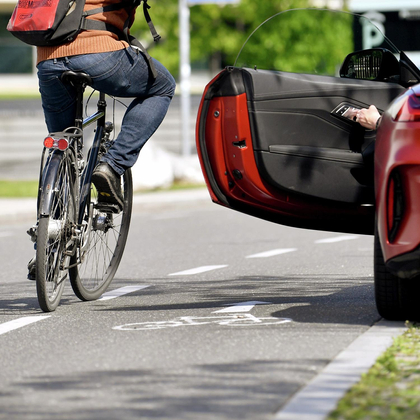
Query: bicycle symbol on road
x,y
233,320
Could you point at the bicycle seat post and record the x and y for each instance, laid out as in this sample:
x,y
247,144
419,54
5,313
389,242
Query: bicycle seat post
x,y
79,80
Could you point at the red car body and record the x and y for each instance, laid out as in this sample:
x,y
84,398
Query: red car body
x,y
284,147
397,184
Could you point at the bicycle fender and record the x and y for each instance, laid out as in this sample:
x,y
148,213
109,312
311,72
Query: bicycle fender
x,y
48,184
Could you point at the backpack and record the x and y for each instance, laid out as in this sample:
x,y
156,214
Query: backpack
x,y
55,22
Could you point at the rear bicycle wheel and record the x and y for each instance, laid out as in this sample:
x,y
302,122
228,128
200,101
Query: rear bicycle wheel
x,y
103,238
55,233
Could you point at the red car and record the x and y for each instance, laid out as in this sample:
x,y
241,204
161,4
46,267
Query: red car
x,y
283,145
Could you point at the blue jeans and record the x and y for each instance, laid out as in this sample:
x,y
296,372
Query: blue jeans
x,y
122,73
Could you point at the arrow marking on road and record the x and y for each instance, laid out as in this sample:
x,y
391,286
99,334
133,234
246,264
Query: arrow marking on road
x,y
197,270
20,322
272,253
241,307
122,291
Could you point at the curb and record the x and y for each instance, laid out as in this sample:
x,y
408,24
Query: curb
x,y
321,395
23,209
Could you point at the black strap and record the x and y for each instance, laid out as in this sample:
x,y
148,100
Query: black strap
x,y
90,24
152,28
137,44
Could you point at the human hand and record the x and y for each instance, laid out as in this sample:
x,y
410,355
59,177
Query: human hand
x,y
368,117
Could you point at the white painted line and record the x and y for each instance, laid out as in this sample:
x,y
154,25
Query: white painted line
x,y
336,239
241,307
197,270
20,322
112,294
317,399
272,253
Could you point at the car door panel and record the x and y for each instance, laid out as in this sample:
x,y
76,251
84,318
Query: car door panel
x,y
300,144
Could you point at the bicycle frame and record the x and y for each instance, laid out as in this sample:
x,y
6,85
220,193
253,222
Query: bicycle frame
x,y
45,196
98,116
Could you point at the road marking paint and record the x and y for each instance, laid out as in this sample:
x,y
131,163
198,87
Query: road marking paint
x,y
20,322
317,399
112,294
336,239
241,307
197,270
232,320
272,253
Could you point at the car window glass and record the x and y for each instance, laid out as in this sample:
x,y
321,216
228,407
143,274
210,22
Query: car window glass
x,y
311,41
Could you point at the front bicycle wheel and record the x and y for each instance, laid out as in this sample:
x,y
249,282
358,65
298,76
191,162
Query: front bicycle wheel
x,y
55,231
103,238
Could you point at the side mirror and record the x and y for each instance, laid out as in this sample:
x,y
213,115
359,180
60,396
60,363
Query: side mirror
x,y
374,64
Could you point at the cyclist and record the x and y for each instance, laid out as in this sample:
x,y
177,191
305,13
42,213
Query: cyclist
x,y
117,69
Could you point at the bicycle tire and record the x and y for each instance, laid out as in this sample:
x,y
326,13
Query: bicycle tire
x,y
55,232
101,248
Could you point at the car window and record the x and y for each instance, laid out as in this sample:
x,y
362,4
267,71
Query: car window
x,y
311,41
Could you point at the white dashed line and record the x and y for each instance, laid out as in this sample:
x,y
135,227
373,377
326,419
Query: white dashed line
x,y
20,322
241,307
336,239
112,294
272,253
197,270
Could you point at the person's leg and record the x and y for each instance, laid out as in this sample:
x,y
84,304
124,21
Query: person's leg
x,y
58,99
125,73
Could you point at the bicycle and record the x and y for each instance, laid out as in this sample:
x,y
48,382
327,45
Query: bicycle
x,y
76,236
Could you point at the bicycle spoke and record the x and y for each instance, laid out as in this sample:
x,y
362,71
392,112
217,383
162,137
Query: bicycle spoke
x,y
106,238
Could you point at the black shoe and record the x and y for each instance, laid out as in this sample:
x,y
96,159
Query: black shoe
x,y
31,269
108,185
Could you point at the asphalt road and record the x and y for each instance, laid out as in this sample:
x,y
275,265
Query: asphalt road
x,y
227,318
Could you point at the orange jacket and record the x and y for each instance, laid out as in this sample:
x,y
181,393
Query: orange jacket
x,y
88,42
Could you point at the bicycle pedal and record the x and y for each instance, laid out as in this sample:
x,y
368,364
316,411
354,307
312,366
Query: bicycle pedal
x,y
108,208
32,233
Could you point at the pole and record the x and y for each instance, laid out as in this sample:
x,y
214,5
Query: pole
x,y
185,73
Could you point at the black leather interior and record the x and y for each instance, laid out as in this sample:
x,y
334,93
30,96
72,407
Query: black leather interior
x,y
300,145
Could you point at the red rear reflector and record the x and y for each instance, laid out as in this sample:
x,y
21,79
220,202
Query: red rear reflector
x,y
63,144
49,142
56,143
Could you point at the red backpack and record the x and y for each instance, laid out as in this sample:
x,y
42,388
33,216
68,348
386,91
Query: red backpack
x,y
54,22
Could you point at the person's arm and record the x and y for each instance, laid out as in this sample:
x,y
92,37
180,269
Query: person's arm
x,y
369,118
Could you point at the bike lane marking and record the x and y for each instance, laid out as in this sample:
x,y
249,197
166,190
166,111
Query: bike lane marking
x,y
272,253
235,315
20,322
197,270
112,294
321,395
336,239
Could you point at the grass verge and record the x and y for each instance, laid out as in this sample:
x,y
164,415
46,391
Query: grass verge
x,y
390,390
18,189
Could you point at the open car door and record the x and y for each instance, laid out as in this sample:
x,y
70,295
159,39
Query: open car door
x,y
278,140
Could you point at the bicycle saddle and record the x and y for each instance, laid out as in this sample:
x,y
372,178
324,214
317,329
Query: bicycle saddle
x,y
76,78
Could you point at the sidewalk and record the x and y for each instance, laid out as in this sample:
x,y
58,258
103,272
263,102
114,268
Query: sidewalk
x,y
24,209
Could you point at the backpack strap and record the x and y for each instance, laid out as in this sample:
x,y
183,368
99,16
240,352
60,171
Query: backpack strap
x,y
156,36
90,24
